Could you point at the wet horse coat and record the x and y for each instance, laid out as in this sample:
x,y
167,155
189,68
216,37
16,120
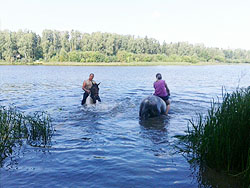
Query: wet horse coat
x,y
152,106
94,95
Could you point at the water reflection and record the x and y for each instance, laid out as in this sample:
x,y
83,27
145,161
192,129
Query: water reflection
x,y
155,131
25,152
201,173
157,123
207,177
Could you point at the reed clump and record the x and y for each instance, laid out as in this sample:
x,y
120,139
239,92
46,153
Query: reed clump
x,y
15,127
221,139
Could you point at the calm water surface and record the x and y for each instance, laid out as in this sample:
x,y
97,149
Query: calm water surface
x,y
106,145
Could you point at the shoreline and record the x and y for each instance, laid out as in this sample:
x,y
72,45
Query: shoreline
x,y
121,64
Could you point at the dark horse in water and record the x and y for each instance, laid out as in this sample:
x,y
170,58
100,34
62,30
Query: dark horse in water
x,y
152,106
94,94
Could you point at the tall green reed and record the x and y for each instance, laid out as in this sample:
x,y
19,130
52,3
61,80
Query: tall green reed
x,y
16,127
221,139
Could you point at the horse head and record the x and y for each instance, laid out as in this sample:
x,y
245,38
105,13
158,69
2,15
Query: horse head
x,y
94,92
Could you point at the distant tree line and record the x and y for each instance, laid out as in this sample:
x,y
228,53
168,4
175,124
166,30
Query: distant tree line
x,y
74,46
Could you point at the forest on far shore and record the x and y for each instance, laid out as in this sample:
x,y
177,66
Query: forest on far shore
x,y
74,46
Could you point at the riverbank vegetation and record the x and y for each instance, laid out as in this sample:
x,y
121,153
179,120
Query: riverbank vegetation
x,y
221,139
74,46
114,63
15,127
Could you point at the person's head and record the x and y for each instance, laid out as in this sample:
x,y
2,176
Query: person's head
x,y
158,76
91,76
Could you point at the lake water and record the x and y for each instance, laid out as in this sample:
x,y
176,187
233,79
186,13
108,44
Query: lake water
x,y
106,145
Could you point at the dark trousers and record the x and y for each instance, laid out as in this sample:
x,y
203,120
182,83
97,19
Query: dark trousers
x,y
85,96
165,99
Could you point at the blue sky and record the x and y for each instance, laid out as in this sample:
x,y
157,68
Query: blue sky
x,y
216,23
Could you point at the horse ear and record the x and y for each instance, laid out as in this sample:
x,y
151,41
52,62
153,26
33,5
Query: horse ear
x,y
98,84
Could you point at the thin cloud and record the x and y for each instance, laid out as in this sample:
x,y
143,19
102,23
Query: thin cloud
x,y
156,15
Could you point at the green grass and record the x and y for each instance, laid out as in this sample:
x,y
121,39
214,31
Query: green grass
x,y
15,127
114,63
221,139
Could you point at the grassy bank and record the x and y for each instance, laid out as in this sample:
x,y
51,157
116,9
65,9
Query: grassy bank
x,y
16,127
221,139
117,63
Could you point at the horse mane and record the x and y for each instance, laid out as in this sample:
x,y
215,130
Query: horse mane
x,y
94,85
94,92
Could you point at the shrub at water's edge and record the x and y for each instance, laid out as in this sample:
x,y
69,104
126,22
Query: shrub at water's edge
x,y
15,126
221,140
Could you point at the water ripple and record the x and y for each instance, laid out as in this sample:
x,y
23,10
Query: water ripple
x,y
106,145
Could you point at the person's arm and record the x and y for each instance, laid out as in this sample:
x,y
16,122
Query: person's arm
x,y
167,89
83,87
